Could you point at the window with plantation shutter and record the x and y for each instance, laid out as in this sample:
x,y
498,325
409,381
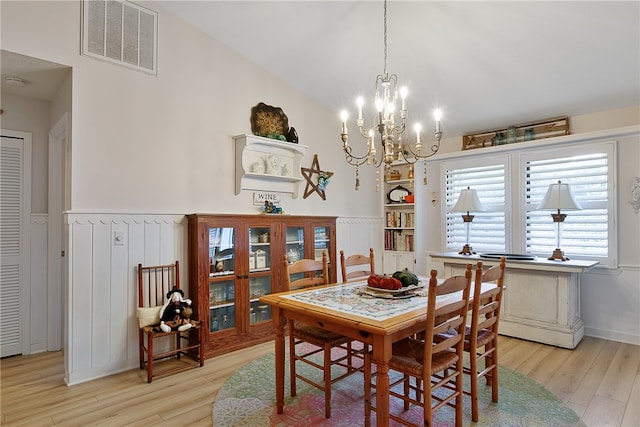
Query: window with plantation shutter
x,y
487,230
589,173
512,186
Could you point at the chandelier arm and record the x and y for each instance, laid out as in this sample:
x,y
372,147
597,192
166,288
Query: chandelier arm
x,y
434,150
354,160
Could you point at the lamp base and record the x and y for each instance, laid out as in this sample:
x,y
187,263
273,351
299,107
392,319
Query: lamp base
x,y
558,255
466,250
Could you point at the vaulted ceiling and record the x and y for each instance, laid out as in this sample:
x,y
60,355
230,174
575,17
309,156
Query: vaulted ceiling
x,y
486,64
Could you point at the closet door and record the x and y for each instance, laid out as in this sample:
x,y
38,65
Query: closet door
x,y
11,249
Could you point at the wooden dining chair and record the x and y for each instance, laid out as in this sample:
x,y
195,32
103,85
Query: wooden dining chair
x,y
315,273
154,285
481,337
433,365
351,266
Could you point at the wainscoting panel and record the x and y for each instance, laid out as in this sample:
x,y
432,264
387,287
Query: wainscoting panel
x,y
355,235
104,252
37,322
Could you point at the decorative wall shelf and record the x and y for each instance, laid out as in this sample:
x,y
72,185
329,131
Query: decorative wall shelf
x,y
523,132
264,164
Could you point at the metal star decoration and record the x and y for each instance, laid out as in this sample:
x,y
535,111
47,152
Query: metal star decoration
x,y
315,185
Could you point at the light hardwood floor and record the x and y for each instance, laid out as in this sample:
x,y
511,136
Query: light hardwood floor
x,y
599,379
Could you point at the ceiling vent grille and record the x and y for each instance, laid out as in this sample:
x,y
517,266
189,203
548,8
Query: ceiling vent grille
x,y
120,32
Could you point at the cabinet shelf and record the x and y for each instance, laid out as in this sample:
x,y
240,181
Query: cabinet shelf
x,y
221,305
268,177
398,182
400,205
222,273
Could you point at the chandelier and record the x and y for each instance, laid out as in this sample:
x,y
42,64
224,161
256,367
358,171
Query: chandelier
x,y
384,139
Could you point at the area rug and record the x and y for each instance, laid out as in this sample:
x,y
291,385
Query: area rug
x,y
248,399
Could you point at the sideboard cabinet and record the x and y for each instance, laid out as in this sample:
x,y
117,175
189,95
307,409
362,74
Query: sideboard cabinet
x,y
235,259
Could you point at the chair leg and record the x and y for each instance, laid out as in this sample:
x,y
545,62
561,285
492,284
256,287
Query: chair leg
x,y
367,389
327,381
473,380
494,373
292,364
460,395
149,358
141,347
406,383
427,409
178,339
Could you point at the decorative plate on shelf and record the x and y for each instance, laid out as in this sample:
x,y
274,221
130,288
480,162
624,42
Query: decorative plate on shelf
x,y
268,121
396,194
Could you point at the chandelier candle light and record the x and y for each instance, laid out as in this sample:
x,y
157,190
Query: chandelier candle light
x,y
389,146
467,202
559,197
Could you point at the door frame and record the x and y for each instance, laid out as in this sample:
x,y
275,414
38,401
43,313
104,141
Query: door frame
x,y
56,250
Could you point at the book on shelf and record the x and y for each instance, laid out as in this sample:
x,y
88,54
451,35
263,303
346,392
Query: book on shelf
x,y
397,240
398,219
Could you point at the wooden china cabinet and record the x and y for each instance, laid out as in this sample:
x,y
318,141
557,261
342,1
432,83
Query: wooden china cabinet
x,y
235,259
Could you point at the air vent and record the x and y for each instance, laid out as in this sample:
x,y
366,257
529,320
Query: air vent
x,y
120,32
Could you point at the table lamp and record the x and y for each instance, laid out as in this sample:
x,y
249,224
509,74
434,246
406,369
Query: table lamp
x,y
468,201
558,197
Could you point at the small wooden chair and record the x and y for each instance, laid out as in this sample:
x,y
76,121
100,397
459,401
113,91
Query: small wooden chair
x,y
433,365
356,260
316,273
154,283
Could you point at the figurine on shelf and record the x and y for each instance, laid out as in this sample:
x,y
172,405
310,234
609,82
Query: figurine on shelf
x,y
271,208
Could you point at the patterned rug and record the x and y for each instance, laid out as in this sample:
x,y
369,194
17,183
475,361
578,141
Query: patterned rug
x,y
248,399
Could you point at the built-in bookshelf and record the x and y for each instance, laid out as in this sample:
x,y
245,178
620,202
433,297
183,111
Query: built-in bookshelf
x,y
399,218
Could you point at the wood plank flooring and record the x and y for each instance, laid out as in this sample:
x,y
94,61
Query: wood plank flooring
x,y
599,379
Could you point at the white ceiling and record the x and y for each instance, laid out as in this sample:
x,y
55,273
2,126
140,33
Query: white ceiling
x,y
41,79
486,64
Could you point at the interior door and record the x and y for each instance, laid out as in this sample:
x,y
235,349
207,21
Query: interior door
x,y
11,226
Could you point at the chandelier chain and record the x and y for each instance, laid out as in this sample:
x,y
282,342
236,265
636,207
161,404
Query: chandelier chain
x,y
385,37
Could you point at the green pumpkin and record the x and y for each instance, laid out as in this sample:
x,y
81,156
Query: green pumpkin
x,y
406,277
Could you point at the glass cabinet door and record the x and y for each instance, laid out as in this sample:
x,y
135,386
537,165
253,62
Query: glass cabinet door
x,y
321,242
260,263
259,286
294,244
221,280
259,249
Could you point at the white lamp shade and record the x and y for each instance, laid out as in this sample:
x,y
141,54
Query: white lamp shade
x,y
559,197
468,202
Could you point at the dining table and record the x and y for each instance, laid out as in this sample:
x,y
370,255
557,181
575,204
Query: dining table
x,y
374,317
